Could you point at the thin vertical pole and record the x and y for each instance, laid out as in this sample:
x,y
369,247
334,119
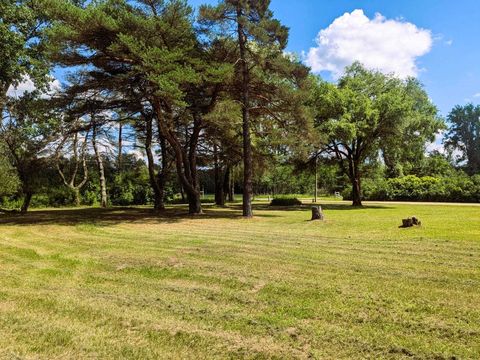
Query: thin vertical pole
x,y
316,180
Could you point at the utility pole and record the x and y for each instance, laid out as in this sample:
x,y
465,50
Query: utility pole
x,y
316,179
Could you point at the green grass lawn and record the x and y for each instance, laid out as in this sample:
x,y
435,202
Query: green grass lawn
x,y
127,283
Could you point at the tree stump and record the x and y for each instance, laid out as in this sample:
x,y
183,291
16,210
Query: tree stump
x,y
317,213
413,221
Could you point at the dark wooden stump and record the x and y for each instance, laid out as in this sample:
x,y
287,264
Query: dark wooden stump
x,y
317,213
413,221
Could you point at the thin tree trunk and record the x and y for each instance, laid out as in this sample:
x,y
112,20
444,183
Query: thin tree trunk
x,y
219,183
154,179
120,146
101,170
182,194
247,145
231,187
26,201
163,173
226,182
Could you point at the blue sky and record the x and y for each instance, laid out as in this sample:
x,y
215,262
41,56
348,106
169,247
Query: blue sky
x,y
450,69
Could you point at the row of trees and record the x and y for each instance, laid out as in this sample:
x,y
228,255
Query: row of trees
x,y
193,91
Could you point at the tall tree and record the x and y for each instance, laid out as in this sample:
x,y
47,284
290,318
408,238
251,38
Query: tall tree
x,y
252,26
368,111
464,135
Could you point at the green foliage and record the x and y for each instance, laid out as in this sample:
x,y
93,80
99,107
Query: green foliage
x,y
21,27
369,113
131,188
457,187
285,201
9,181
464,135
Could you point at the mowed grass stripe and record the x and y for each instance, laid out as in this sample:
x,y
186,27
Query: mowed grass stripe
x,y
278,286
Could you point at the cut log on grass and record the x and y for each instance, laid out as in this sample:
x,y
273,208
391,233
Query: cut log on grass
x,y
317,213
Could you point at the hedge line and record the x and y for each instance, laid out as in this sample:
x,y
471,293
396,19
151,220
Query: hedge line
x,y
456,188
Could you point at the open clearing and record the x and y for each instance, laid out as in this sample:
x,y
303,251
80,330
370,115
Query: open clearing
x,y
125,283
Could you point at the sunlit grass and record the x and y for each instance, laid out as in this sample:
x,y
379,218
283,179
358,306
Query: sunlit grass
x,y
128,283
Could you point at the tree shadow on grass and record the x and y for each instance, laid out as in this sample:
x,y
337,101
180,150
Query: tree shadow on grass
x,y
118,215
139,215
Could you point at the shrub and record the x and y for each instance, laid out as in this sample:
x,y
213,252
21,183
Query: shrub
x,y
285,201
456,188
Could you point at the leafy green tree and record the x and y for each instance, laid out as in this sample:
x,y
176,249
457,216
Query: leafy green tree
x,y
464,135
368,111
27,129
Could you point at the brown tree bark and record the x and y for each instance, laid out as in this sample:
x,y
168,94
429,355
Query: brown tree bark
x,y
219,183
155,183
26,201
247,144
101,169
185,159
354,176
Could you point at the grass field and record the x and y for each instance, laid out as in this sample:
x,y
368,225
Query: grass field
x,y
126,283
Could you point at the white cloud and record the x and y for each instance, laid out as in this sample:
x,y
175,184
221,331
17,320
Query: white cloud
x,y
476,95
437,144
391,46
27,86
449,42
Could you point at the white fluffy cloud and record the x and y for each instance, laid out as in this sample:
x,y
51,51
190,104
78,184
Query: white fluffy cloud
x,y
27,86
390,46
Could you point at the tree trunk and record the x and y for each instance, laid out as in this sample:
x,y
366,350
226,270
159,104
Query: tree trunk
x,y
120,146
219,193
155,180
194,203
185,163
356,185
231,187
226,183
26,201
101,170
247,145
76,193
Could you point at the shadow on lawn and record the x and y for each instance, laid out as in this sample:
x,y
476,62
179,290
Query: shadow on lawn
x,y
117,215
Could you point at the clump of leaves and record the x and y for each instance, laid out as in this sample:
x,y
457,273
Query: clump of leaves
x,y
285,201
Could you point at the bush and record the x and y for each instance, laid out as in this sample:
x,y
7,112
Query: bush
x,y
456,188
285,201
